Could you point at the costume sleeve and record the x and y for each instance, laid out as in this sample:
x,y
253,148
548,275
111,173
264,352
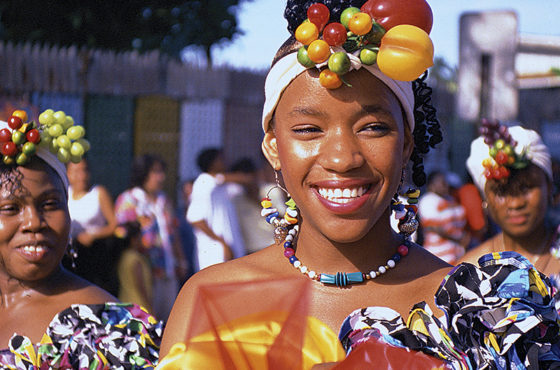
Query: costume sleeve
x,y
111,335
500,314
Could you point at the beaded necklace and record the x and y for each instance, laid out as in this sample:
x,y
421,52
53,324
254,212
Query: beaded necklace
x,y
286,230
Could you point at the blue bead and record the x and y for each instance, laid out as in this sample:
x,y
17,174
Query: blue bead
x,y
396,257
271,216
287,244
327,279
293,259
355,277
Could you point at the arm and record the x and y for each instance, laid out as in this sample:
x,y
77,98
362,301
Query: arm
x,y
108,211
203,226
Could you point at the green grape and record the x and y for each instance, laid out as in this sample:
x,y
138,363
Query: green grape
x,y
77,149
84,143
75,132
64,142
75,158
60,117
29,148
53,147
22,159
55,130
46,118
63,155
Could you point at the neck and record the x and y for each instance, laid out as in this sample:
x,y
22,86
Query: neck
x,y
12,289
323,255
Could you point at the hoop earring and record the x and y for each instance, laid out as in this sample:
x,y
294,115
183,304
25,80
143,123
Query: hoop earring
x,y
285,228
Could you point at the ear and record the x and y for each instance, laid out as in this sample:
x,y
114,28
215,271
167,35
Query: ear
x,y
270,150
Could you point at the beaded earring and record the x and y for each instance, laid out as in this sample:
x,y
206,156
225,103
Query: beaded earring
x,y
406,213
282,225
73,254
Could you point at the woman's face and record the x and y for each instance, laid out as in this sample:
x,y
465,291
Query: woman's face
x,y
156,178
341,151
78,175
519,206
34,224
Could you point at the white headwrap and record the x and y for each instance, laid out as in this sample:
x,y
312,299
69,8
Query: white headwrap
x,y
49,158
288,68
527,140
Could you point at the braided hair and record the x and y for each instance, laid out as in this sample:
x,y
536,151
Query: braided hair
x,y
427,130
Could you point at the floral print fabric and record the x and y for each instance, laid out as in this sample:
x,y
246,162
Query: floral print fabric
x,y
104,336
500,315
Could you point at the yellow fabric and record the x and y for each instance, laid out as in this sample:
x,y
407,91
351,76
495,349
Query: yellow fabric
x,y
247,341
128,291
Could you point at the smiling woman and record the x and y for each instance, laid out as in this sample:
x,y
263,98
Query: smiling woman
x,y
341,150
49,316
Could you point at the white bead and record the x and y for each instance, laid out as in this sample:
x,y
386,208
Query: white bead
x,y
382,269
297,264
292,232
391,263
291,212
268,211
289,238
296,228
373,274
311,274
303,269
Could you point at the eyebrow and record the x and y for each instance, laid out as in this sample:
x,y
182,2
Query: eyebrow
x,y
307,111
375,108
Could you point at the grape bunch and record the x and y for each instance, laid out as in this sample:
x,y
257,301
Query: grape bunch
x,y
501,149
62,137
355,31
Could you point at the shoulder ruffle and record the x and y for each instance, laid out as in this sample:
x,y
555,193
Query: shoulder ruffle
x,y
498,315
111,335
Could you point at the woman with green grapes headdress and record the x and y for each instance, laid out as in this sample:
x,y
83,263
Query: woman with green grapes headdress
x,y
49,317
347,116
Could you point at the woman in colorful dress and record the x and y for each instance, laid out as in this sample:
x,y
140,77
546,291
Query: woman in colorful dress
x,y
49,317
513,170
342,145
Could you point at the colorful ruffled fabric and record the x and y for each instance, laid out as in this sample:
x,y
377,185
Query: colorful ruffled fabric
x,y
500,315
104,336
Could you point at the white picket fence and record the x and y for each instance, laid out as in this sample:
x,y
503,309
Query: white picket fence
x,y
28,67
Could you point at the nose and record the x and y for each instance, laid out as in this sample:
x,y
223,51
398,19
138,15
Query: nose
x,y
33,220
516,201
341,151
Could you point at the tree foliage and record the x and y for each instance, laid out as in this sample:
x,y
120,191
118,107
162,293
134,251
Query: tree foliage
x,y
167,25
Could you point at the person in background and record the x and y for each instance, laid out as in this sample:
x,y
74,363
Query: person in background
x,y
443,220
211,212
186,232
93,222
246,200
519,198
134,271
51,318
146,203
469,197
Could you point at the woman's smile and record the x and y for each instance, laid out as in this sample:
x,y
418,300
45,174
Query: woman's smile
x,y
342,196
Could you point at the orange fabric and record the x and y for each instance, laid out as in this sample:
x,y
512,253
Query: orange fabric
x,y
470,199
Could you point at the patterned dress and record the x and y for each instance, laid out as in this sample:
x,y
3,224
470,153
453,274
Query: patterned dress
x,y
103,336
500,315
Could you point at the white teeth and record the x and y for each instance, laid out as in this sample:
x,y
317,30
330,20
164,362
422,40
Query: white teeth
x,y
342,196
33,249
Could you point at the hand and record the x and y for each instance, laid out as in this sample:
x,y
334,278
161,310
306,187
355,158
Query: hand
x,y
85,239
228,255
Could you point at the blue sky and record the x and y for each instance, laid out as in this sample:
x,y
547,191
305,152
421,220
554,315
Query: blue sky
x,y
265,28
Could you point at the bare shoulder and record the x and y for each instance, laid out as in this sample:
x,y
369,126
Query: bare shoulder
x,y
474,254
259,265
80,291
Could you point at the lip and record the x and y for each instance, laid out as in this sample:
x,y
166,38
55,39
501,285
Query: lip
x,y
517,219
353,204
34,252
